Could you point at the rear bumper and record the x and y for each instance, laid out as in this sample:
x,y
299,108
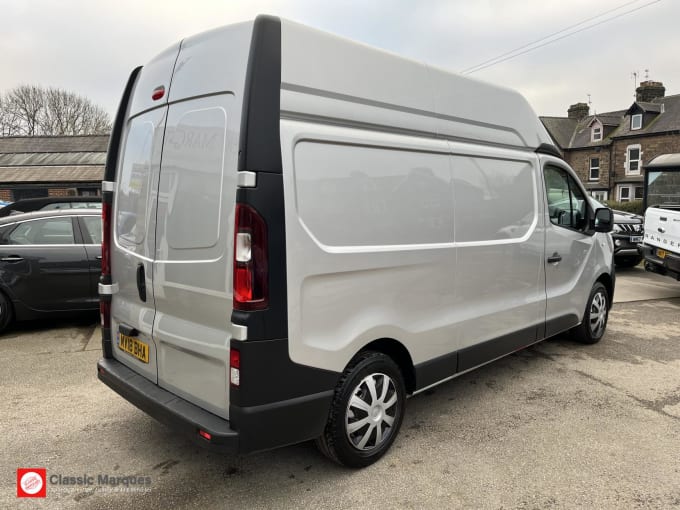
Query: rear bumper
x,y
168,408
251,428
669,264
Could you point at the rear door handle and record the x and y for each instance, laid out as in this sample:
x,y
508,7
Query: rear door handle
x,y
555,258
141,282
12,258
98,257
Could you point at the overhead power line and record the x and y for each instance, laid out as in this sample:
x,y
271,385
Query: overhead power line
x,y
549,39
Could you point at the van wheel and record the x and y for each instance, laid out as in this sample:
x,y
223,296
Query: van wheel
x,y
5,312
595,317
366,412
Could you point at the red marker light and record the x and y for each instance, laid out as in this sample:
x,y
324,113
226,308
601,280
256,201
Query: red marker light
x,y
158,92
205,435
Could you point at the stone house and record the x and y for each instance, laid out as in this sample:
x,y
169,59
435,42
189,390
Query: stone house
x,y
609,150
41,166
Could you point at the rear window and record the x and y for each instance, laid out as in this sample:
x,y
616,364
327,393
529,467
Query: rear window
x,y
46,231
134,182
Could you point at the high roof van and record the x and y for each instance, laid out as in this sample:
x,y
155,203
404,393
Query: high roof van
x,y
301,231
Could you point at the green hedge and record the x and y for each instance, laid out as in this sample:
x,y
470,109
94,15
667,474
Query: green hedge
x,y
634,206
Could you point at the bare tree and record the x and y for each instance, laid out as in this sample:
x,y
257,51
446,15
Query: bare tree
x,y
31,110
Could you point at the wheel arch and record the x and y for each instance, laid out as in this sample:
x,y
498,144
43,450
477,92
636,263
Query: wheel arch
x,y
399,354
608,282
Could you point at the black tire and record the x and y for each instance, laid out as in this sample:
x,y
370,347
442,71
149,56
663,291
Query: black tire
x,y
594,324
627,261
377,434
6,312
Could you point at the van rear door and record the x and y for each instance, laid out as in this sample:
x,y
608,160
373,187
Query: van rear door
x,y
192,280
134,217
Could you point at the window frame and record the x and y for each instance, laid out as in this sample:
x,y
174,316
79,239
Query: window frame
x,y
572,182
596,132
591,168
601,195
633,118
620,196
628,162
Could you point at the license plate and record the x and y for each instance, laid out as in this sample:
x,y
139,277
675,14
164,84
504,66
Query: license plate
x,y
635,239
661,254
134,347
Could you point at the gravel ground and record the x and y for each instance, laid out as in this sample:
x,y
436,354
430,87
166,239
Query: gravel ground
x,y
559,425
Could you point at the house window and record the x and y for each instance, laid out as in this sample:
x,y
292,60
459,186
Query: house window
x,y
636,122
599,195
633,159
630,192
594,174
596,133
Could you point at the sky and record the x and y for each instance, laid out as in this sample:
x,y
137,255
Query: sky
x,y
91,46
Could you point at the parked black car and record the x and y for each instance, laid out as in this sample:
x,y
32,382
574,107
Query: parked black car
x,y
47,203
50,263
627,234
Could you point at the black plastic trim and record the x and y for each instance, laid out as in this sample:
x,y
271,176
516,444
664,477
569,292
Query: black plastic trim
x,y
435,370
117,131
260,145
479,354
107,344
268,375
560,324
250,429
166,407
260,151
547,148
281,423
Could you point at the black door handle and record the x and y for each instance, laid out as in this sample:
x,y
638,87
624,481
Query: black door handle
x,y
141,282
556,257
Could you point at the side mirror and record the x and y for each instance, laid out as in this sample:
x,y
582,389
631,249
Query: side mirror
x,y
604,220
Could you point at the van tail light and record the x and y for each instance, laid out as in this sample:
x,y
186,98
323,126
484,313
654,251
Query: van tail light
x,y
106,238
235,367
251,268
105,278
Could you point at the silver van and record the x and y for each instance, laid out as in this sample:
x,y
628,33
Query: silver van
x,y
301,231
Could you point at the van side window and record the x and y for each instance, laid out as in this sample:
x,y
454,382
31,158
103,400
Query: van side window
x,y
566,203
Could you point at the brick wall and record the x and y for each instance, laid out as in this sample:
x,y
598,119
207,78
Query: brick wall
x,y
580,162
61,192
652,146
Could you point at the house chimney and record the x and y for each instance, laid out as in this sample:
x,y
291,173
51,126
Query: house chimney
x,y
649,90
578,111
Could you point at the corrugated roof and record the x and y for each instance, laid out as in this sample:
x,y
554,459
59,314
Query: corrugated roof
x,y
32,144
51,173
53,159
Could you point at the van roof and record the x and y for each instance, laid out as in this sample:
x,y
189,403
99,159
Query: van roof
x,y
335,80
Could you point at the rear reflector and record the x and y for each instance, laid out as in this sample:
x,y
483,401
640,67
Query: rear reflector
x,y
205,435
234,367
251,268
105,314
